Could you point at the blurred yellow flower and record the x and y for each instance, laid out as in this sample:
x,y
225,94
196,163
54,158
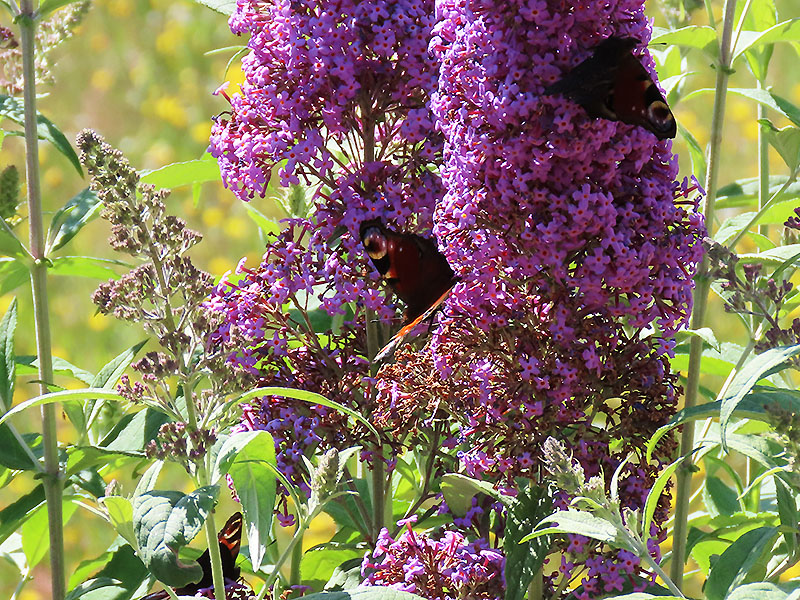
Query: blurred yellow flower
x,y
98,322
99,42
167,41
170,109
53,177
219,264
102,79
213,216
238,228
120,8
201,131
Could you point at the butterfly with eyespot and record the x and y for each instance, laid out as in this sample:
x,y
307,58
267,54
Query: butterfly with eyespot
x,y
613,84
230,540
414,269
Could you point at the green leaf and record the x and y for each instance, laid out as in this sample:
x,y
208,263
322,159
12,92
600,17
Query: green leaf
x,y
787,31
704,333
125,568
13,110
581,523
113,370
304,396
523,560
84,394
164,522
459,490
85,266
696,153
719,498
787,511
182,173
744,192
226,7
10,244
48,6
13,453
29,365
735,565
747,377
8,364
132,434
70,218
773,258
13,273
120,511
654,495
148,481
786,141
16,513
265,224
777,103
751,407
249,458
347,576
761,590
701,37
35,540
320,562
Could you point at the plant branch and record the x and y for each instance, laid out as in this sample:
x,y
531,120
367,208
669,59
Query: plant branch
x,y
684,473
52,478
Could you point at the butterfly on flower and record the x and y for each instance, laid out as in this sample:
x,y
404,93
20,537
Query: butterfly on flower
x,y
413,268
613,84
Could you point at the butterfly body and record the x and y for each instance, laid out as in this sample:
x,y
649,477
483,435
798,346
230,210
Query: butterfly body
x,y
230,541
613,84
413,268
411,264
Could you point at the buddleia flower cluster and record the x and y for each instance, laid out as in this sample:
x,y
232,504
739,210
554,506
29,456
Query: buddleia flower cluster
x,y
165,293
447,568
572,242
336,93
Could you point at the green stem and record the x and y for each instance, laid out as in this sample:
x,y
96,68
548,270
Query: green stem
x,y
213,553
684,473
378,496
302,525
297,556
763,164
52,477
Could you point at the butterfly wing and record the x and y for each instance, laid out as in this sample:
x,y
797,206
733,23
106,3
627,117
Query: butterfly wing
x,y
406,330
410,264
613,84
415,270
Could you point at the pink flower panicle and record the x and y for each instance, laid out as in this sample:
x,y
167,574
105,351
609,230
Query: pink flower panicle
x,y
445,569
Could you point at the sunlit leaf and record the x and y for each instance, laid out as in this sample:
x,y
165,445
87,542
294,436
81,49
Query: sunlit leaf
x,y
182,173
701,37
70,218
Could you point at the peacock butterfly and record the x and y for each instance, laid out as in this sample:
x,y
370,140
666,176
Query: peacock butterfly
x,y
415,270
612,84
230,540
